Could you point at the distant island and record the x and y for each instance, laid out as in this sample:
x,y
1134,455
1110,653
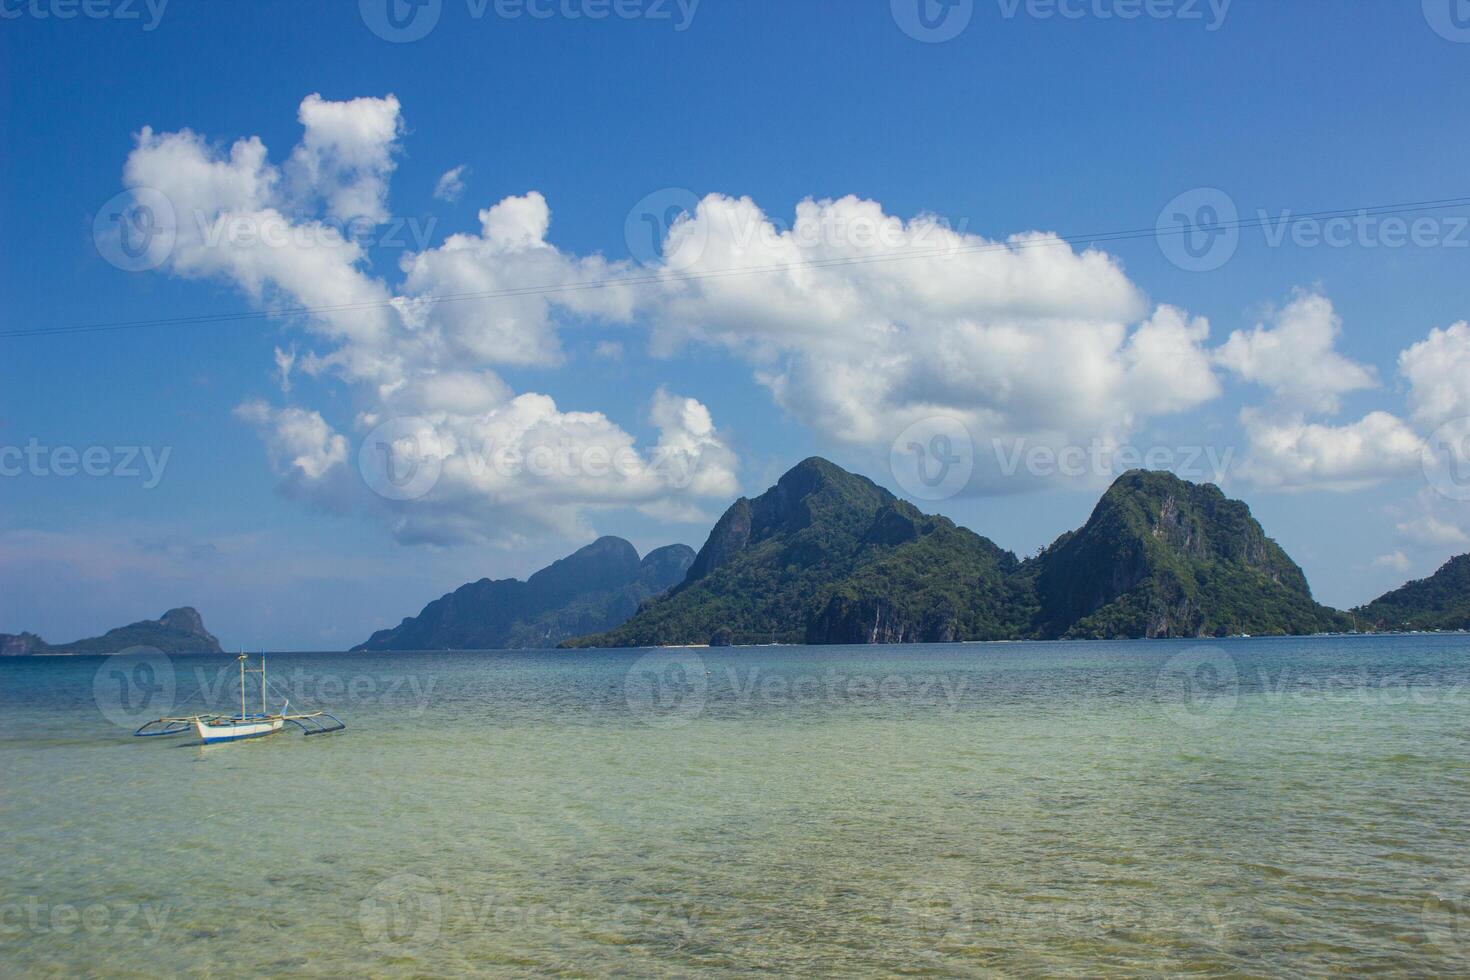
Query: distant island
x,y
826,556
829,557
593,590
176,631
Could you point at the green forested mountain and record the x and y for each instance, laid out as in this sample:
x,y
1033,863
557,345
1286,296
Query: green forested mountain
x,y
594,589
1160,557
176,631
829,557
825,556
1440,602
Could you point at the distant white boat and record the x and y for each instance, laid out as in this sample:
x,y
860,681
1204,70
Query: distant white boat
x,y
233,728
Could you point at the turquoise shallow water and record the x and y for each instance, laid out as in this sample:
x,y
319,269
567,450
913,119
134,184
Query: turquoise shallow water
x,y
1245,807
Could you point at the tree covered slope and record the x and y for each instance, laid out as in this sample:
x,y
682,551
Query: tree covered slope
x,y
1163,557
826,556
1440,602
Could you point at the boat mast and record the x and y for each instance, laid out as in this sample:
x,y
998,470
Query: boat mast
x,y
242,687
262,685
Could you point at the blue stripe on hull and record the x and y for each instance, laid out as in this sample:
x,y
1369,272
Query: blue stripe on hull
x,y
236,738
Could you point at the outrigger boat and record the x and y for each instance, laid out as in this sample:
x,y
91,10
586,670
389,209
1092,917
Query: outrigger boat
x,y
232,728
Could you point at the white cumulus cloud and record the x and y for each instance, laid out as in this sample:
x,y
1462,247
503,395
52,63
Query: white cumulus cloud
x,y
346,155
1292,454
301,445
507,465
870,323
1438,372
1294,355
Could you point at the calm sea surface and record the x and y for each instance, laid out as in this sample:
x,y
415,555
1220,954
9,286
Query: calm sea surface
x,y
1247,806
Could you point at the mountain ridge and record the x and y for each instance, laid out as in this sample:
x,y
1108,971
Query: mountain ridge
x,y
827,556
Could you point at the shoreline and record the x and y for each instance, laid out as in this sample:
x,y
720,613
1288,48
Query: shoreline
x,y
767,646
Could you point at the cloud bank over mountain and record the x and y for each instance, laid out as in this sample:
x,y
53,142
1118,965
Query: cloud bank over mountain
x,y
858,323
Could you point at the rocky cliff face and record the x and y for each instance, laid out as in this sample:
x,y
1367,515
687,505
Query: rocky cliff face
x,y
878,619
729,537
596,588
19,644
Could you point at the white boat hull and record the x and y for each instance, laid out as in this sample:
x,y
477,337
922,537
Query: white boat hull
x,y
233,731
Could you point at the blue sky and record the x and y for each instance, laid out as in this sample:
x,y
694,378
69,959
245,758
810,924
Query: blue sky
x,y
1020,123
